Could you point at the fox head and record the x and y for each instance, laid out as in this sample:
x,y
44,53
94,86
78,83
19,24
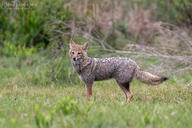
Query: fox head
x,y
78,52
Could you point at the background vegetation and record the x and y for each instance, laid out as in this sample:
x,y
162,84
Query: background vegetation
x,y
39,88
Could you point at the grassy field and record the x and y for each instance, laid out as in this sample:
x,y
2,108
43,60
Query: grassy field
x,y
159,106
29,103
39,89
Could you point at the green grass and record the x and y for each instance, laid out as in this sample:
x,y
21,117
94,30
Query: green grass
x,y
157,106
29,98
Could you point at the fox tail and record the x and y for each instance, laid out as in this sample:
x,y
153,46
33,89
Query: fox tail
x,y
148,78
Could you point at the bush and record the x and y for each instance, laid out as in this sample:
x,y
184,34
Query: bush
x,y
47,21
12,50
174,11
34,25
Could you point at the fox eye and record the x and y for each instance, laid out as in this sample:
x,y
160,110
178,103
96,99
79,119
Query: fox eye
x,y
72,52
79,53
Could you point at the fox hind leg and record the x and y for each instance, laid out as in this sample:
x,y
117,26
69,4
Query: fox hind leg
x,y
126,89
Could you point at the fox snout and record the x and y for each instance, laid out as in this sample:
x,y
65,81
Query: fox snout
x,y
74,59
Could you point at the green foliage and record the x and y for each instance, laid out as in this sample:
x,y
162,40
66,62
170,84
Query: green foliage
x,y
12,50
33,26
68,106
174,11
45,21
121,27
42,120
20,52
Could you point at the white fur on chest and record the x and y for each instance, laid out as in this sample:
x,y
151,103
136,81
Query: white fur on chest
x,y
80,77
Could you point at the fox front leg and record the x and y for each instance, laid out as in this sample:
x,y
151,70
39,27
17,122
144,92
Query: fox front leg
x,y
89,88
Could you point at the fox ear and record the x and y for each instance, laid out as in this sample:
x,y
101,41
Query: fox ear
x,y
85,46
72,43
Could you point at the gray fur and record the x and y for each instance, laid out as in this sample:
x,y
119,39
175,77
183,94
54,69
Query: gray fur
x,y
121,69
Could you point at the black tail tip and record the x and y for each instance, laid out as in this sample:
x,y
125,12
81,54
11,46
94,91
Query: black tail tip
x,y
164,78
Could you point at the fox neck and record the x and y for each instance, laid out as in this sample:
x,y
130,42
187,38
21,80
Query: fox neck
x,y
81,64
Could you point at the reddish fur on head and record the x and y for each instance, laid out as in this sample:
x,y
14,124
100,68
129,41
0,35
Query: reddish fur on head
x,y
77,51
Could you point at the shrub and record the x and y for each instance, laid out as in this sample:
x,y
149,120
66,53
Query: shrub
x,y
174,11
12,50
34,25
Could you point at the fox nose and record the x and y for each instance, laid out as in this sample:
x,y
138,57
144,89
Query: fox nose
x,y
74,59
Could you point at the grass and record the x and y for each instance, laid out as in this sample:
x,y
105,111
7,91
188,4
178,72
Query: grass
x,y
158,106
26,100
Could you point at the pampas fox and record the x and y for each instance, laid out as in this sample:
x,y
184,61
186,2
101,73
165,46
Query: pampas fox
x,y
96,69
